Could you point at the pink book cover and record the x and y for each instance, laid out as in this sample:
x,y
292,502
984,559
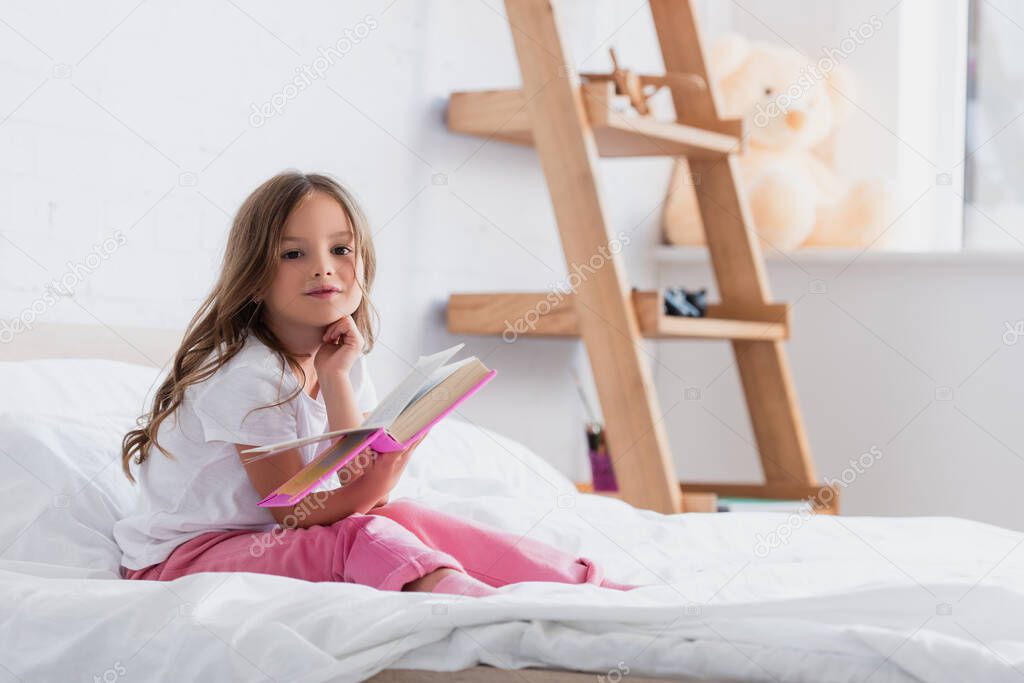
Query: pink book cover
x,y
347,447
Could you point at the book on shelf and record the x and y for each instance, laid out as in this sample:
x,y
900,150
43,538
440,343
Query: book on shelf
x,y
738,504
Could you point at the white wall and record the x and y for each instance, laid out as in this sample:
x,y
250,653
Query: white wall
x,y
138,121
907,354
137,118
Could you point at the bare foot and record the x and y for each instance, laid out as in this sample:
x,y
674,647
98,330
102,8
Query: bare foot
x,y
427,582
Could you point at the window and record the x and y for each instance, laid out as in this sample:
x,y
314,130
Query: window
x,y
908,120
994,165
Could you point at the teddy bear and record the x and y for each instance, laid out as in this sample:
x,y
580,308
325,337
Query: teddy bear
x,y
792,114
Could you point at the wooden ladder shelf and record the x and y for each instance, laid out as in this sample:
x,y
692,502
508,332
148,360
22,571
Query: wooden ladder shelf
x,y
571,120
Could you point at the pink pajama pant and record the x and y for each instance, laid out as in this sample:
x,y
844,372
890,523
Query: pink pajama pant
x,y
386,548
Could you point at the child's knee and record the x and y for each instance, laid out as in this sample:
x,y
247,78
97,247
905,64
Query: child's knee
x,y
397,510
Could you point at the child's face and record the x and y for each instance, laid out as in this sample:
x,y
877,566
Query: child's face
x,y
318,250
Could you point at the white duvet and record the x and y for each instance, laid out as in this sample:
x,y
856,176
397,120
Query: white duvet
x,y
840,599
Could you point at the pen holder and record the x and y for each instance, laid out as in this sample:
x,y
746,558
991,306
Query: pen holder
x,y
600,460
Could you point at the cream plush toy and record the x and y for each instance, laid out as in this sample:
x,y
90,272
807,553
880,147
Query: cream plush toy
x,y
791,116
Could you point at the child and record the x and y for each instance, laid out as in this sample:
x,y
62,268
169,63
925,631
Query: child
x,y
275,353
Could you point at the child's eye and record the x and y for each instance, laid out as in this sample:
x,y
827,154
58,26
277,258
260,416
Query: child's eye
x,y
338,251
291,255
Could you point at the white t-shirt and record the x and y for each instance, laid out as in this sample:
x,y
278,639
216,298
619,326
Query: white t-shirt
x,y
205,487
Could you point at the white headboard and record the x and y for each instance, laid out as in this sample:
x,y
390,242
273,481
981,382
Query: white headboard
x,y
139,345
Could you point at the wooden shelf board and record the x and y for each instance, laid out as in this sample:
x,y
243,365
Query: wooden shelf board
x,y
824,497
827,504
553,314
502,114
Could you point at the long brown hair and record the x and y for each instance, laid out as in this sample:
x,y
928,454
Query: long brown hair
x,y
229,314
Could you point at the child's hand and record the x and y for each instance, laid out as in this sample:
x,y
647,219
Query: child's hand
x,y
341,347
385,469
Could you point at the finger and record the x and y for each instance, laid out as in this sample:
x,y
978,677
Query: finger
x,y
335,329
353,337
344,324
341,328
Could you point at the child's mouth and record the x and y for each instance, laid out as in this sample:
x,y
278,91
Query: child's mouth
x,y
323,293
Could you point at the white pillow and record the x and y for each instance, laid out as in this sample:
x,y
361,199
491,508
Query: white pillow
x,y
90,387
61,425
455,451
60,469
115,393
63,489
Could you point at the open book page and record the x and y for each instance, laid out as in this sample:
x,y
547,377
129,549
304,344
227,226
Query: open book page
x,y
462,379
270,449
438,376
409,388
325,464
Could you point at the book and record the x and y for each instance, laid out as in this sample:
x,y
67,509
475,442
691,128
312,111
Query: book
x,y
431,391
739,504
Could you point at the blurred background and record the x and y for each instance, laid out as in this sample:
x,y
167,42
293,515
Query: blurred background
x,y
131,131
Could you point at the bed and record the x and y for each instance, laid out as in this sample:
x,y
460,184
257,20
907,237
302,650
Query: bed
x,y
829,599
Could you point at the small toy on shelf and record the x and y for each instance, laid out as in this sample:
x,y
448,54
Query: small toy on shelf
x,y
627,83
680,302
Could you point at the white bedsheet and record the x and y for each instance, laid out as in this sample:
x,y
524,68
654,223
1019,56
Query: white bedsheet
x,y
842,599
845,599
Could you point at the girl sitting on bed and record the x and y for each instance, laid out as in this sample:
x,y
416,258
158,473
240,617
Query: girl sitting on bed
x,y
275,353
